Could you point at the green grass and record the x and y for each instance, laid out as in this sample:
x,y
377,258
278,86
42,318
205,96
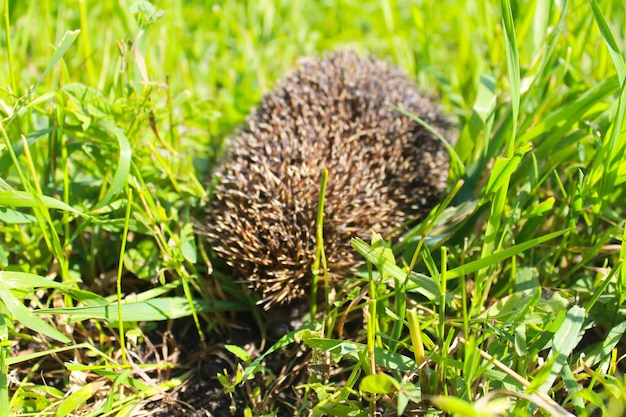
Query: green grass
x,y
113,113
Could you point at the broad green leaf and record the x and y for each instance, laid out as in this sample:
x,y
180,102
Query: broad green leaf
x,y
12,198
239,352
379,384
27,281
572,385
454,406
151,310
526,278
144,260
486,97
26,317
457,407
513,305
73,401
10,216
188,243
563,343
337,410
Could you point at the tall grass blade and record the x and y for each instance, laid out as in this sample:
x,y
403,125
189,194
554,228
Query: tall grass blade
x,y
164,308
122,171
497,257
611,156
565,340
12,198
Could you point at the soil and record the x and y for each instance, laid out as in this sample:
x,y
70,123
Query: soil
x,y
203,394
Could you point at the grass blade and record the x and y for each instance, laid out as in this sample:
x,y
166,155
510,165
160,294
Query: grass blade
x,y
12,198
611,155
27,317
493,232
563,343
77,398
614,51
122,171
501,255
165,308
379,256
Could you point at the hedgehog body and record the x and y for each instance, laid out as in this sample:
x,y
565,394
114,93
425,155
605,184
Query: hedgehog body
x,y
332,112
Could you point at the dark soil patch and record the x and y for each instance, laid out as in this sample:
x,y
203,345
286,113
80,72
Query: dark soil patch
x,y
203,394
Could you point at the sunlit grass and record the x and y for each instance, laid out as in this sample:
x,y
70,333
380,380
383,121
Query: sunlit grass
x,y
113,114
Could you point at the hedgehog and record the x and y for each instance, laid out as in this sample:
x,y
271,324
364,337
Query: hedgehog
x,y
336,112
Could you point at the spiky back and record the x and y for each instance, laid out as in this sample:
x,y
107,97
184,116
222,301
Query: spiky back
x,y
332,112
